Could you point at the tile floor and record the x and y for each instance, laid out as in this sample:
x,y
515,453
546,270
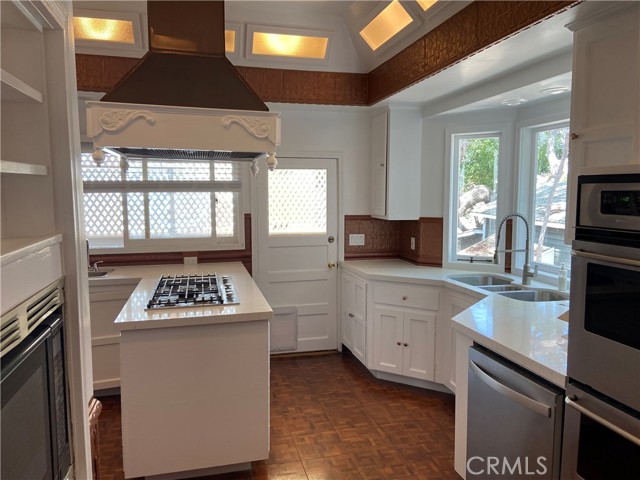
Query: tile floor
x,y
332,420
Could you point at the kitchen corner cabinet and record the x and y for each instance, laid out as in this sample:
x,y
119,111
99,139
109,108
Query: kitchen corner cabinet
x,y
106,301
395,163
403,337
605,96
354,312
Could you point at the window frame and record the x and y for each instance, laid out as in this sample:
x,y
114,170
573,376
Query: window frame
x,y
178,244
504,132
525,183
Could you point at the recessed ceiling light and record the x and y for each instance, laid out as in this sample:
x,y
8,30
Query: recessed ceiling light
x,y
426,4
103,29
554,90
385,25
513,102
299,46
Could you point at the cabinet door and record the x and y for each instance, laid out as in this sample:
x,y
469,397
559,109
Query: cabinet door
x,y
388,340
348,307
379,152
457,305
418,345
358,321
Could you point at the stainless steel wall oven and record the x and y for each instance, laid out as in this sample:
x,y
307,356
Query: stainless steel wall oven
x,y
34,416
602,418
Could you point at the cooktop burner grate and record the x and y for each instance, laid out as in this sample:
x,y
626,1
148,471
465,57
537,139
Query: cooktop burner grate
x,y
175,291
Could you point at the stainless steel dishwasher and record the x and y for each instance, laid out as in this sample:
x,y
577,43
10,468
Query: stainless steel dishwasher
x,y
514,420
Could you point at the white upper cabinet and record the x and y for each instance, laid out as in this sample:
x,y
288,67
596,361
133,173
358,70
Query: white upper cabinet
x,y
395,163
605,98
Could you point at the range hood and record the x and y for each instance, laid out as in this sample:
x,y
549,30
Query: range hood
x,y
184,99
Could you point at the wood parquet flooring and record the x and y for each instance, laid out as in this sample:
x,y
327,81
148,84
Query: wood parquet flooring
x,y
332,420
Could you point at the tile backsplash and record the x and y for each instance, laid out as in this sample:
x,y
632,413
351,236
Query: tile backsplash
x,y
392,239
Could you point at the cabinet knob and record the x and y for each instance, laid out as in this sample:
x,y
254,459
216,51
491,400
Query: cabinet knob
x,y
574,136
404,297
398,343
406,344
332,265
382,164
351,315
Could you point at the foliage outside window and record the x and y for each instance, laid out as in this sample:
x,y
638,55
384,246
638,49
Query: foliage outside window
x,y
476,168
148,204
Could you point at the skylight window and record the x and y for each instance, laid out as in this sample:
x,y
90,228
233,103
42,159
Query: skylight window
x,y
284,45
385,25
426,4
103,29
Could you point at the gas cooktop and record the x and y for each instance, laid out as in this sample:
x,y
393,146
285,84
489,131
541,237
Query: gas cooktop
x,y
174,291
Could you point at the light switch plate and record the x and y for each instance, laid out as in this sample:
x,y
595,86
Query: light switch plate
x,y
413,243
356,239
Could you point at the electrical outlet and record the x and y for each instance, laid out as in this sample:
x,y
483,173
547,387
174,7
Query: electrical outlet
x,y
356,239
413,243
190,260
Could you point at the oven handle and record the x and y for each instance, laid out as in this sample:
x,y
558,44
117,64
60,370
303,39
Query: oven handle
x,y
606,258
571,401
530,403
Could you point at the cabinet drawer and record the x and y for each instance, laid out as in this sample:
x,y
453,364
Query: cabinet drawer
x,y
413,296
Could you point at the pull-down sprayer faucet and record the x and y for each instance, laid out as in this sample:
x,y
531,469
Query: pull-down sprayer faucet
x,y
527,274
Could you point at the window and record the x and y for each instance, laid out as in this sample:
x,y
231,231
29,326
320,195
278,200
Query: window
x,y
475,174
149,204
543,192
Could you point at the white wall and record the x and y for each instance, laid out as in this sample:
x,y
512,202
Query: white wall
x,y
331,131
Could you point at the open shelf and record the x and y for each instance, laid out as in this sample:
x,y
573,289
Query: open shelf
x,y
21,168
15,90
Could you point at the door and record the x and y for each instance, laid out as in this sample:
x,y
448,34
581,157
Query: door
x,y
387,340
297,247
418,345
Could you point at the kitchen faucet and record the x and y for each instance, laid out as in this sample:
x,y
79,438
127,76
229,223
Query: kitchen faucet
x,y
527,274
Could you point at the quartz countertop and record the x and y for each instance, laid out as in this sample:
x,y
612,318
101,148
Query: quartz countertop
x,y
133,315
527,333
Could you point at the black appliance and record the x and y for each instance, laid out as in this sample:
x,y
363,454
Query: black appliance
x,y
193,290
34,423
602,418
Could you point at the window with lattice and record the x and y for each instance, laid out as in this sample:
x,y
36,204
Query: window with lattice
x,y
150,204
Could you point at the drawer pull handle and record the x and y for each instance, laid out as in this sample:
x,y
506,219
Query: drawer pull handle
x,y
351,315
404,297
406,344
398,343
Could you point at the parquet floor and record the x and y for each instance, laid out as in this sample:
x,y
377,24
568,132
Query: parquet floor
x,y
332,420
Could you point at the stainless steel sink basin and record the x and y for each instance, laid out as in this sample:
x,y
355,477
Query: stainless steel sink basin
x,y
536,295
100,273
502,288
479,280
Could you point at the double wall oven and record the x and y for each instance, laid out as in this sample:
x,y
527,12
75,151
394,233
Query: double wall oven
x,y
602,419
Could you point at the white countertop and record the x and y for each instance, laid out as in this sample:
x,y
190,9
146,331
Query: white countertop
x,y
527,333
133,316
12,249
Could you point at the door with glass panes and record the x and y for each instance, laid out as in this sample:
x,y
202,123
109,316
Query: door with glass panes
x,y
297,251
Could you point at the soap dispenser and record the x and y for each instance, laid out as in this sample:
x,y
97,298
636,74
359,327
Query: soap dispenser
x,y
562,278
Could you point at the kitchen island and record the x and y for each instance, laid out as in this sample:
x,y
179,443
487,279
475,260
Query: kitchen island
x,y
194,380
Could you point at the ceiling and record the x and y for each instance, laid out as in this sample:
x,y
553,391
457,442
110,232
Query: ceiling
x,y
519,67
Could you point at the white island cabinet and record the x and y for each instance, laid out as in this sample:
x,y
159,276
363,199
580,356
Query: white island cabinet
x,y
194,380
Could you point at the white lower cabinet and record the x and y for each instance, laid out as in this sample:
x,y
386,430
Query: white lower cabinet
x,y
354,311
453,304
403,342
106,301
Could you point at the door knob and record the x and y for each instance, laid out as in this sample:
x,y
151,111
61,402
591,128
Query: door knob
x,y
332,264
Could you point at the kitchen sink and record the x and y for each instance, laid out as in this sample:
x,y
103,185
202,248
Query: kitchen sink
x,y
100,273
536,295
502,288
481,279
